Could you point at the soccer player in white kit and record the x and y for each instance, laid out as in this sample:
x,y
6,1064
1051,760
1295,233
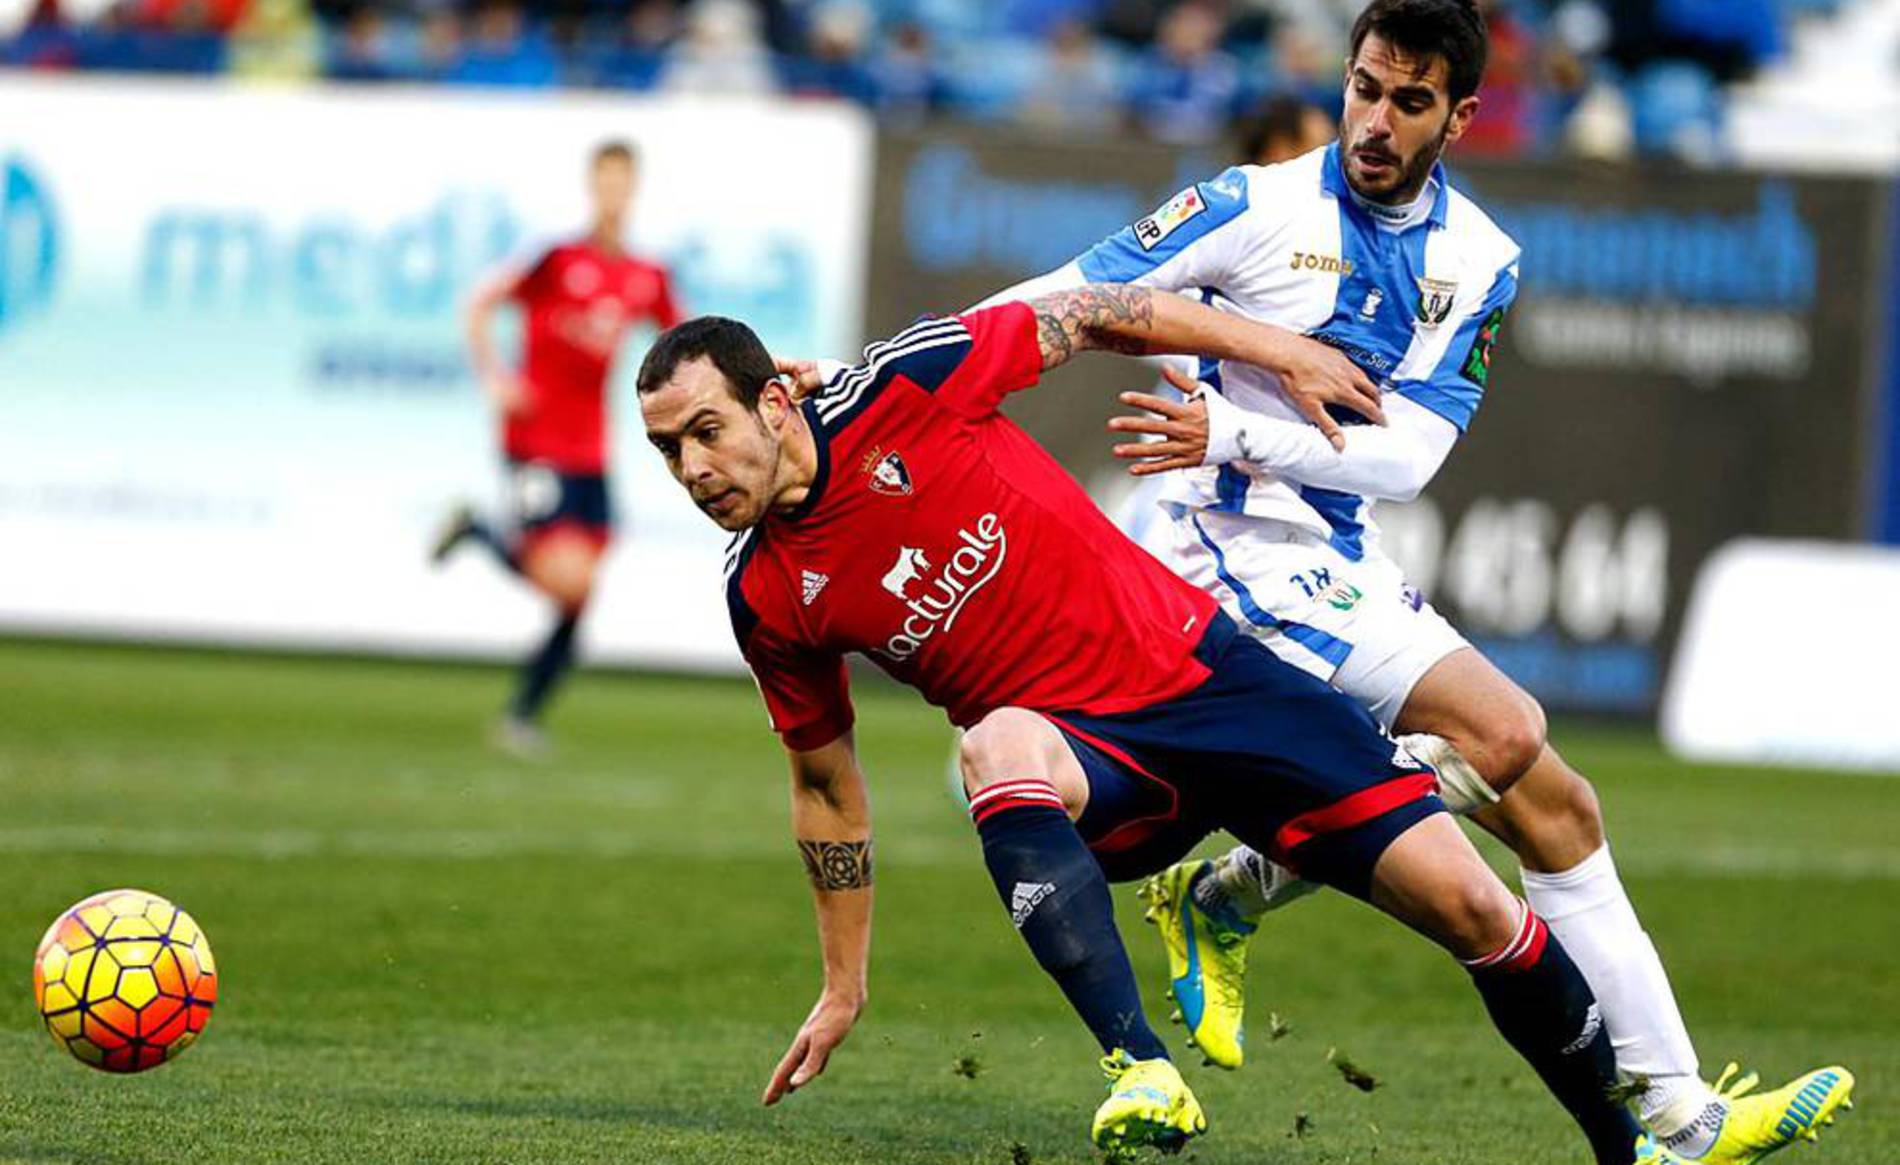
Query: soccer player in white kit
x,y
1365,246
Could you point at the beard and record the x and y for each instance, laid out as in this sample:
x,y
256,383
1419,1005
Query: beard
x,y
1408,174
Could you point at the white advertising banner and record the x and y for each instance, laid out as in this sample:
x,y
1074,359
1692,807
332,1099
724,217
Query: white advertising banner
x,y
233,394
1787,657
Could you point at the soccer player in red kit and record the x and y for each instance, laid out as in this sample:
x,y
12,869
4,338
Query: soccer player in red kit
x,y
1113,714
579,299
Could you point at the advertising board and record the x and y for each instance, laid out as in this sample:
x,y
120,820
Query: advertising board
x,y
233,392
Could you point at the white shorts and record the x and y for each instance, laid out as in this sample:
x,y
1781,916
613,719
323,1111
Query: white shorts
x,y
1356,625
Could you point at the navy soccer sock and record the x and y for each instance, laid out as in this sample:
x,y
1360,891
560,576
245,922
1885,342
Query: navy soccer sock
x,y
1058,899
1544,1008
545,668
505,551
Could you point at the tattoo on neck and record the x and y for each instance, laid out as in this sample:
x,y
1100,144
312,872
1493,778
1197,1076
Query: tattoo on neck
x,y
837,865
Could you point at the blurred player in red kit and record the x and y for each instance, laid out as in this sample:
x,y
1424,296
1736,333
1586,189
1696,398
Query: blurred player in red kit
x,y
578,301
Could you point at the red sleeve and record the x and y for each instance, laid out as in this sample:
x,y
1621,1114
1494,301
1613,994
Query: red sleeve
x,y
533,283
666,308
807,695
1003,357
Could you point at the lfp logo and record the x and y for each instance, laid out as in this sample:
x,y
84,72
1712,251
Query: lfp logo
x,y
29,242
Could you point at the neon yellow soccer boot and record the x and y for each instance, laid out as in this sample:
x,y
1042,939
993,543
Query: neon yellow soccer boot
x,y
1207,963
1648,1152
1758,1124
1148,1106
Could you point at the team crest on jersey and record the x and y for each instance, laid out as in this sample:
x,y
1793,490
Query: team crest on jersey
x,y
888,473
1151,230
1435,298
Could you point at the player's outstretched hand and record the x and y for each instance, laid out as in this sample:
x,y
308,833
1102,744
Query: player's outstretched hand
x,y
1181,426
825,1028
1314,375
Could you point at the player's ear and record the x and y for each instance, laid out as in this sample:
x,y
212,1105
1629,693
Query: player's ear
x,y
1461,115
775,400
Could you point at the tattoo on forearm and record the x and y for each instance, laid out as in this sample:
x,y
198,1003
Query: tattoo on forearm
x,y
837,865
1094,316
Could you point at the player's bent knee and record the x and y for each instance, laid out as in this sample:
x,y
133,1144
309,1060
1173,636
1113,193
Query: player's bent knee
x,y
563,570
1008,744
574,590
1432,879
1513,740
1477,915
569,594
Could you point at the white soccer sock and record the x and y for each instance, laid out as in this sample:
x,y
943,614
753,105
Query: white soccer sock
x,y
1252,883
1589,912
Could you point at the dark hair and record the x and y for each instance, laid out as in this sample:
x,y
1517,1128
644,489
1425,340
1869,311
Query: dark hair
x,y
1452,29
1282,118
617,149
734,349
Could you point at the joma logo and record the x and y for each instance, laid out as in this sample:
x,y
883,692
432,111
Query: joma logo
x,y
1330,264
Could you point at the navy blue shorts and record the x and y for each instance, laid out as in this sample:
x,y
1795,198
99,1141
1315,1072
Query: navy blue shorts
x,y
1262,750
544,499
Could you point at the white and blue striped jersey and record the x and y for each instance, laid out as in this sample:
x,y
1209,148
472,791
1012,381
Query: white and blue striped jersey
x,y
1416,303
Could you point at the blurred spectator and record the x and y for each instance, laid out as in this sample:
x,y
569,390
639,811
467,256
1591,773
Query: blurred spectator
x,y
722,52
43,40
945,21
1185,87
1503,124
781,24
1310,64
1132,22
277,40
1285,127
1727,38
80,13
1077,87
1570,80
190,17
1599,126
502,50
440,47
131,36
835,62
1599,77
906,77
1044,19
1732,37
631,56
1677,111
361,52
652,25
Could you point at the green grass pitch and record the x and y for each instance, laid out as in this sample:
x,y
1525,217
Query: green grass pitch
x,y
432,954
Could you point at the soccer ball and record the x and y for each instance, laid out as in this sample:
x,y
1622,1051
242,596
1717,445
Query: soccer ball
x,y
124,980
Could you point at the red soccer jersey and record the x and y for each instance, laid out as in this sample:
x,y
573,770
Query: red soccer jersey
x,y
941,541
579,301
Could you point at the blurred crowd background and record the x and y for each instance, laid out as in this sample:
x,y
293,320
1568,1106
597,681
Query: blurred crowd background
x,y
1690,79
